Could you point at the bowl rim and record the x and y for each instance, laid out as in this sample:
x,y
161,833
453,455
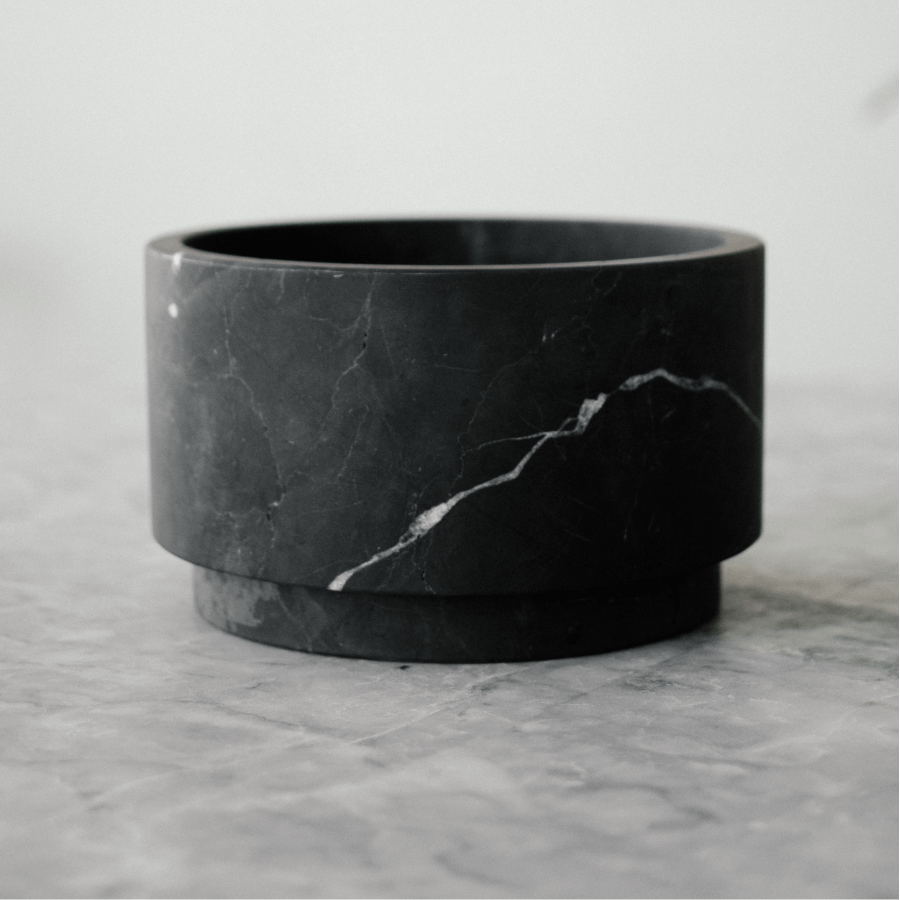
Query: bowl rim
x,y
175,244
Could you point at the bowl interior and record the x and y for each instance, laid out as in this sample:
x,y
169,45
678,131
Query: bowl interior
x,y
490,242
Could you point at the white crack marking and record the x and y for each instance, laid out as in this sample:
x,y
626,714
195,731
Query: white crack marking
x,y
367,315
235,374
704,383
571,427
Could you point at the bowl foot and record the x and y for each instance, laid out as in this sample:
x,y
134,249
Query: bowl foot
x,y
478,629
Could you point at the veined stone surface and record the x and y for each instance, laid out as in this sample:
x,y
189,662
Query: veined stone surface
x,y
556,424
146,753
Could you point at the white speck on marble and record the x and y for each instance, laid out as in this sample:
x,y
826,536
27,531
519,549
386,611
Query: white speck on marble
x,y
173,310
571,427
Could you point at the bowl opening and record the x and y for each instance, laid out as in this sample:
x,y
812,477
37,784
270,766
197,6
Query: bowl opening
x,y
457,242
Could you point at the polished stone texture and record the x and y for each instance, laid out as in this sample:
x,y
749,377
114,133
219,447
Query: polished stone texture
x,y
509,628
145,753
518,419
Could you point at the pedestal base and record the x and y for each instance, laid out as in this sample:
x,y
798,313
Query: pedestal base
x,y
478,629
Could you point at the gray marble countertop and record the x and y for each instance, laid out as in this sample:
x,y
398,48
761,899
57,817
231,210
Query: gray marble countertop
x,y
144,753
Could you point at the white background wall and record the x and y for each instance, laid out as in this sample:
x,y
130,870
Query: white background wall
x,y
121,120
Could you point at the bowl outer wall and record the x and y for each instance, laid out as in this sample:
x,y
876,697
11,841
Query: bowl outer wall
x,y
304,416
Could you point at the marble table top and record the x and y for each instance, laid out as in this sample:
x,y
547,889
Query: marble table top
x,y
145,753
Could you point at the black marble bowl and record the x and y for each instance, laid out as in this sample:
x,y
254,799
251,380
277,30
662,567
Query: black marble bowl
x,y
457,441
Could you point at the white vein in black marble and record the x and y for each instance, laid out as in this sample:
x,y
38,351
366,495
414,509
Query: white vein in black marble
x,y
571,427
